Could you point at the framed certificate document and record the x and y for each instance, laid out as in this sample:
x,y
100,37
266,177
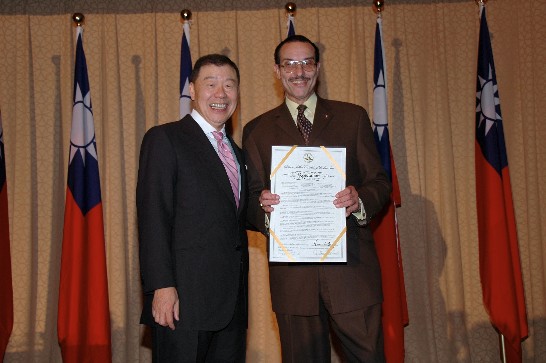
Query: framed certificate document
x,y
306,226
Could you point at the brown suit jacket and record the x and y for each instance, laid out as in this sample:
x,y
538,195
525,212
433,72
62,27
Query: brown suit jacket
x,y
356,284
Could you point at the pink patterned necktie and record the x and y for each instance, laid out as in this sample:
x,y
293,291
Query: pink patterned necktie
x,y
229,164
304,125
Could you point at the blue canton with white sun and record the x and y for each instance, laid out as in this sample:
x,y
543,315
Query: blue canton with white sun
x,y
83,167
489,130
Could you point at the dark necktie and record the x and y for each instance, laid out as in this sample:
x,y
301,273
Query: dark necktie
x,y
229,164
304,125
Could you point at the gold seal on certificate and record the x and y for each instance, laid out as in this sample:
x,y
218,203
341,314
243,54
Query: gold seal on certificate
x,y
306,226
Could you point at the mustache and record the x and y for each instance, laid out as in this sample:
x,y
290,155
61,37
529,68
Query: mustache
x,y
299,78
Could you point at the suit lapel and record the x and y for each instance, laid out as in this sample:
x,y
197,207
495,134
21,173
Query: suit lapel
x,y
208,157
286,123
323,117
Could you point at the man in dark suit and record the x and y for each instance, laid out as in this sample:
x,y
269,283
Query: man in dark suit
x,y
311,299
191,206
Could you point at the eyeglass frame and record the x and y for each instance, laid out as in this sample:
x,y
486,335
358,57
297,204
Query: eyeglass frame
x,y
295,63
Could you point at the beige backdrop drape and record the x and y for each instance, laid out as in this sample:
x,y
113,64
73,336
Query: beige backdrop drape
x,y
133,56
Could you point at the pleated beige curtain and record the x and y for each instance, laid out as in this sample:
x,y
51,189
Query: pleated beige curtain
x,y
133,57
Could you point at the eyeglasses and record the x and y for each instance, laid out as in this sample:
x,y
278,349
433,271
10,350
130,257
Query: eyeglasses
x,y
308,65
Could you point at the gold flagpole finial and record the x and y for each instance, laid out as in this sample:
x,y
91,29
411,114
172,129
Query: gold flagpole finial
x,y
78,19
378,6
186,15
481,2
290,8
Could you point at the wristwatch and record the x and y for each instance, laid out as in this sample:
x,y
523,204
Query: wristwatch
x,y
360,213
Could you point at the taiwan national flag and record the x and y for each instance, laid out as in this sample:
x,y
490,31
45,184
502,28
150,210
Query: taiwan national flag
x,y
6,297
384,226
83,324
500,268
185,71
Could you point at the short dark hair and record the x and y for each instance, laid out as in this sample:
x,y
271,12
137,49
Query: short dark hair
x,y
295,38
214,59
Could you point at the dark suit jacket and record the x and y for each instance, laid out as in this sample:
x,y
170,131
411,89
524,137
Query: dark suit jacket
x,y
191,234
356,284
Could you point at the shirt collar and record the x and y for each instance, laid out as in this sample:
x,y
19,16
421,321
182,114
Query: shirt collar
x,y
205,126
311,104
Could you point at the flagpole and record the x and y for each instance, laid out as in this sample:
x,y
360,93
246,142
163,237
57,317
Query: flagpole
x,y
78,19
481,5
290,8
83,314
384,229
503,350
185,64
378,6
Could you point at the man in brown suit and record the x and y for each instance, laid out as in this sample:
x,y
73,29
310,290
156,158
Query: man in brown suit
x,y
311,299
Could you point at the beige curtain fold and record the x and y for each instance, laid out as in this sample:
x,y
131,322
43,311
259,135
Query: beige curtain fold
x,y
133,59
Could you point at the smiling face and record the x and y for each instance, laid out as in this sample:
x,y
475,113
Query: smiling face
x,y
300,84
215,93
